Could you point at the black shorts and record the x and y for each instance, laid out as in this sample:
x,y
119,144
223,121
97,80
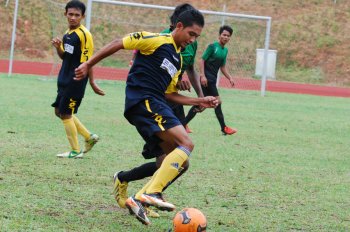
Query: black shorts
x,y
67,105
150,151
210,90
149,117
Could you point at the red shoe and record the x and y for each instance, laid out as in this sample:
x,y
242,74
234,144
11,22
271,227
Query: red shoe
x,y
229,131
188,130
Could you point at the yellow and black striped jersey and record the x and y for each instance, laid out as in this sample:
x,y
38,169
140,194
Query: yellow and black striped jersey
x,y
78,47
156,68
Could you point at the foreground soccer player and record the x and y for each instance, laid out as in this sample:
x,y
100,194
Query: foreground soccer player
x,y
77,46
152,79
213,59
122,178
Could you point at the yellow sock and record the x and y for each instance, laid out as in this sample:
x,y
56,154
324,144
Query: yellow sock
x,y
72,134
143,190
168,170
81,128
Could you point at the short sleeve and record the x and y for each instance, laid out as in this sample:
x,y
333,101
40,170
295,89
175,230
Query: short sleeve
x,y
207,53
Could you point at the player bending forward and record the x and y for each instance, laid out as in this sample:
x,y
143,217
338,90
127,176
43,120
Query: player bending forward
x,y
151,81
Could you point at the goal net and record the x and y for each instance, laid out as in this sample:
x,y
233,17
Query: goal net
x,y
111,19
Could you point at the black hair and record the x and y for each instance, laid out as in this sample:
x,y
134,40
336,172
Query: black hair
x,y
226,28
76,4
190,17
178,10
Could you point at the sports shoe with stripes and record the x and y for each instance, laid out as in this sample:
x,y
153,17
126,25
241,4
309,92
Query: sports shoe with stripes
x,y
120,191
156,200
91,142
136,208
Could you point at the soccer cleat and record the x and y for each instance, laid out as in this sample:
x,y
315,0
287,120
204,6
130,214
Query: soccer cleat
x,y
71,154
188,130
91,142
135,207
156,200
120,191
229,131
151,213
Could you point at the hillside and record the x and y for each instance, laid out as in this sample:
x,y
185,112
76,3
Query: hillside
x,y
312,37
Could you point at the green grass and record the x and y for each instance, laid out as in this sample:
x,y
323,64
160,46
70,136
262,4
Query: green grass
x,y
301,75
287,168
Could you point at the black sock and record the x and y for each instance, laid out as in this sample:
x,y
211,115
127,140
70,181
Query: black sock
x,y
138,173
220,116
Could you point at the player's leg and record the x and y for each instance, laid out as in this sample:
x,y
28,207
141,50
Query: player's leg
x,y
149,118
170,168
190,115
213,91
67,107
185,166
122,178
180,114
90,138
220,116
193,111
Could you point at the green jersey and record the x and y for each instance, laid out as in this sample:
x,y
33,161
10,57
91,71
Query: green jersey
x,y
214,57
188,54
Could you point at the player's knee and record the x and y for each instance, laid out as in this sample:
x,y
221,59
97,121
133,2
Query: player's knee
x,y
188,144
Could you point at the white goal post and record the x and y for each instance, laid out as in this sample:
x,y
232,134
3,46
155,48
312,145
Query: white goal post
x,y
251,32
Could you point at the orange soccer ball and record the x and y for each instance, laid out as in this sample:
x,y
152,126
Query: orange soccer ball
x,y
189,220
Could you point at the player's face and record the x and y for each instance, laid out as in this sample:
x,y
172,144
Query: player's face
x,y
224,37
74,16
187,35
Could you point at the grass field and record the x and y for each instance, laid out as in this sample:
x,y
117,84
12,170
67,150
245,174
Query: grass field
x,y
287,168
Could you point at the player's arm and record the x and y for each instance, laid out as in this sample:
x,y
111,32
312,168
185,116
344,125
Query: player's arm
x,y
109,49
94,85
203,78
226,74
207,102
57,43
194,79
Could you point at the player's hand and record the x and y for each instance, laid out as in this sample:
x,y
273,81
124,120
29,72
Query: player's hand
x,y
56,42
204,81
232,82
209,102
81,71
199,109
97,89
183,85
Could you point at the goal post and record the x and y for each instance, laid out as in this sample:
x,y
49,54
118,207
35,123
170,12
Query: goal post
x,y
108,19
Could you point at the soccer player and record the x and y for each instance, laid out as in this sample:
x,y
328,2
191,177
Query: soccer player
x,y
121,179
213,59
152,79
75,48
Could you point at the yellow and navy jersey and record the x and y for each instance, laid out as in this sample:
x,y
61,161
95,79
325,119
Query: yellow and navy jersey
x,y
188,54
78,47
156,67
